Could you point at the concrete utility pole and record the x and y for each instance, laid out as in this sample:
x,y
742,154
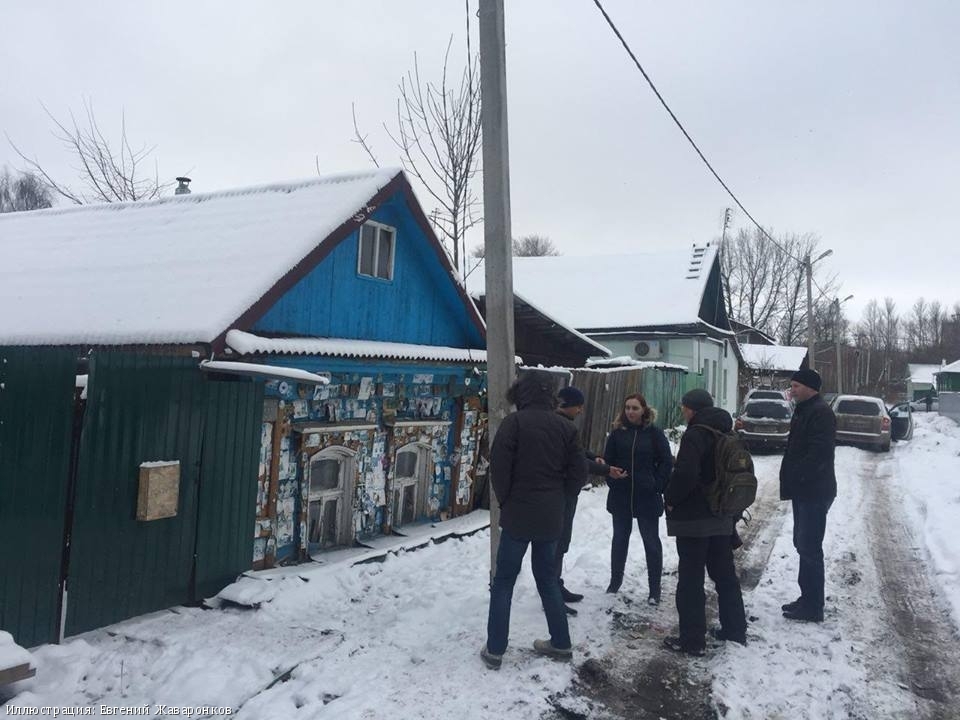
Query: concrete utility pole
x,y
836,331
498,253
811,329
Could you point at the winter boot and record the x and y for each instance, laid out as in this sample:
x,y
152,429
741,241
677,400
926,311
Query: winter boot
x,y
489,659
616,580
804,614
569,610
570,597
793,606
545,647
720,634
677,645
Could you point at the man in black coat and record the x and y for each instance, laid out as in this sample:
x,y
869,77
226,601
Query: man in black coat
x,y
704,540
536,462
808,480
571,405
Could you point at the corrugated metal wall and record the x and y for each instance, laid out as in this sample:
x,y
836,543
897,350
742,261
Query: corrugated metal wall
x,y
228,484
36,411
138,410
149,408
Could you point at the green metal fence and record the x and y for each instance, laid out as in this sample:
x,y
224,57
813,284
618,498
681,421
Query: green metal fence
x,y
150,408
36,410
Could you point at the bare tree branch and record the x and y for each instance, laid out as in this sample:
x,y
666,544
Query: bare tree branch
x,y
109,171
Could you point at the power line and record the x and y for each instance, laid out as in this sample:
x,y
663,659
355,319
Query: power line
x,y
694,144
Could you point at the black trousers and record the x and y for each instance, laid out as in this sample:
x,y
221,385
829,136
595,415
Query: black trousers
x,y
809,526
564,544
715,554
649,526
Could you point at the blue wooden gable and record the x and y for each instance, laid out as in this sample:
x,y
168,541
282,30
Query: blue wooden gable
x,y
420,304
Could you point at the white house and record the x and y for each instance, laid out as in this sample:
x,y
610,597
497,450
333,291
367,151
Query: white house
x,y
663,305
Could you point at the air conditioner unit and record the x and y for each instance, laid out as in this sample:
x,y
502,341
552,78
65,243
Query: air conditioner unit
x,y
648,349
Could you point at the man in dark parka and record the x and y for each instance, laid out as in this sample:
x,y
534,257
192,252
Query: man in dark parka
x,y
808,480
704,540
536,461
571,405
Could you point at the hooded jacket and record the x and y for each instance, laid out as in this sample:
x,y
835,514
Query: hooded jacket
x,y
535,462
807,472
643,451
695,468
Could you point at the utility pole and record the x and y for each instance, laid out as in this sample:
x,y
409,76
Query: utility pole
x,y
498,253
836,331
810,329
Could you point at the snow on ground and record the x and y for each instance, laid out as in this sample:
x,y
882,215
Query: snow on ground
x,y
394,639
797,670
928,472
400,638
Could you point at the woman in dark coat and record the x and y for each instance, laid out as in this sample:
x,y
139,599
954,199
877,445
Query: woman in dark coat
x,y
639,454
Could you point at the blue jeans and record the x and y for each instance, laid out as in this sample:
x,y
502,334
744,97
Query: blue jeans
x,y
509,559
809,526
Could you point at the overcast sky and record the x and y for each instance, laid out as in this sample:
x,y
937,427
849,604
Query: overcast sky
x,y
836,118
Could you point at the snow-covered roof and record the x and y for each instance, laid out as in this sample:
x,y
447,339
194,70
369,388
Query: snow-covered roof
x,y
953,367
613,291
772,357
922,373
177,270
625,361
245,343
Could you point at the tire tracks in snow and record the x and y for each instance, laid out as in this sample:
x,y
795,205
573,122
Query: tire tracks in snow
x,y
918,613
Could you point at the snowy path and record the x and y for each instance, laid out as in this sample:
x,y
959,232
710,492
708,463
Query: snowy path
x,y
399,639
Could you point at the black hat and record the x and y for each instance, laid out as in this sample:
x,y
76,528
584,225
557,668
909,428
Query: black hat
x,y
697,399
570,397
808,377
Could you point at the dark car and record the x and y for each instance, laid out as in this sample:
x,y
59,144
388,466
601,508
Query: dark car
x,y
765,423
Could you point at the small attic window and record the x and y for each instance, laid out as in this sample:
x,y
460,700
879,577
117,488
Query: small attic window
x,y
375,255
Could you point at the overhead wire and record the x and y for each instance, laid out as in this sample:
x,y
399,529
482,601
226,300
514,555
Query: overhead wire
x,y
694,145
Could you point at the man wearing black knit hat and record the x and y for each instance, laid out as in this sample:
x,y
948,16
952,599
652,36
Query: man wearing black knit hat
x,y
807,479
571,405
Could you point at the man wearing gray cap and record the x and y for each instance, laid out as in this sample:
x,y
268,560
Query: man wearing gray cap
x,y
704,539
808,481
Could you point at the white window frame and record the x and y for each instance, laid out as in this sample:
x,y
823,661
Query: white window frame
x,y
420,481
378,227
341,493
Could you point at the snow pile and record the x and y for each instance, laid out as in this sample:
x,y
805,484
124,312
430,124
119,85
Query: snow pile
x,y
929,470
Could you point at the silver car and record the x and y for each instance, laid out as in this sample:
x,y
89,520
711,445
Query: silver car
x,y
862,420
765,423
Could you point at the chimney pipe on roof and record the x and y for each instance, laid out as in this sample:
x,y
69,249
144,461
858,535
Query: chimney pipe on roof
x,y
184,187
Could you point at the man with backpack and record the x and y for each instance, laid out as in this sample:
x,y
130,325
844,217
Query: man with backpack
x,y
808,480
701,501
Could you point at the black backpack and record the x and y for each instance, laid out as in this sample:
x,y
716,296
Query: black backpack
x,y
735,487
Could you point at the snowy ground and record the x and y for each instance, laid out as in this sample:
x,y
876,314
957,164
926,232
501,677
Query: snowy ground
x,y
399,639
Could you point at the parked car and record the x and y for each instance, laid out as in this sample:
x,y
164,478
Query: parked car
x,y
901,421
862,420
764,394
921,405
765,422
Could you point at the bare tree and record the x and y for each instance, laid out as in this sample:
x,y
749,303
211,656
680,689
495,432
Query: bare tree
x,y
765,285
108,171
437,133
24,192
526,246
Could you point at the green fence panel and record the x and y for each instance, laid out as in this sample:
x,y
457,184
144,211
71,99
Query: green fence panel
x,y
228,483
139,409
36,417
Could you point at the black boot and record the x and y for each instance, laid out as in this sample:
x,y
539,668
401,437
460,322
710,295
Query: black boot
x,y
616,580
570,597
